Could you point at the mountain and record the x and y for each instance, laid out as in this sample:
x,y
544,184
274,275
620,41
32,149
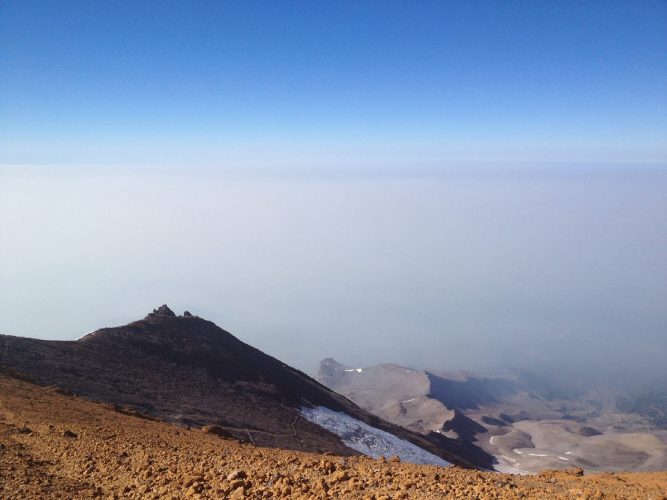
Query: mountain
x,y
524,424
418,400
186,370
57,446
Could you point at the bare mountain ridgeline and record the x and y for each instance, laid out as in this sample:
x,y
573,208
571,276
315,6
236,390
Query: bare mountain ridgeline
x,y
186,370
525,426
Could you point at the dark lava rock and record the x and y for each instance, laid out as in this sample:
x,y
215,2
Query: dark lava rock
x,y
161,312
216,430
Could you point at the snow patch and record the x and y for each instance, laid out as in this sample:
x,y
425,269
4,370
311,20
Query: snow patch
x,y
508,469
507,465
368,440
358,370
563,458
408,400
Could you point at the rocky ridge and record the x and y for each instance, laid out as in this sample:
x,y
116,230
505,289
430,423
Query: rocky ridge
x,y
188,371
54,445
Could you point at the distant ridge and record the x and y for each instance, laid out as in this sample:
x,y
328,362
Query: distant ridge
x,y
419,400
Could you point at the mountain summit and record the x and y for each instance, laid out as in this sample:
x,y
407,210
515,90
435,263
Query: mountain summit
x,y
189,371
161,312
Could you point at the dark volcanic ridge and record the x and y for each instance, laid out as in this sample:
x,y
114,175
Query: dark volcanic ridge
x,y
188,371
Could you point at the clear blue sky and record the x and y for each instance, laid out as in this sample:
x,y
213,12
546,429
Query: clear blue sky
x,y
298,82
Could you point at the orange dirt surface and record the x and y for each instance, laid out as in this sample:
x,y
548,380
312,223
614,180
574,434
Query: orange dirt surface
x,y
53,445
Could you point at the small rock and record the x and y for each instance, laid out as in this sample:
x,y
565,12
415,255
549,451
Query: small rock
x,y
69,434
340,476
216,430
190,480
237,474
327,466
433,476
575,471
237,493
395,459
191,492
237,483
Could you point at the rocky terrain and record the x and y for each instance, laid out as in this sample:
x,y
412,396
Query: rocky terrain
x,y
524,430
55,445
188,371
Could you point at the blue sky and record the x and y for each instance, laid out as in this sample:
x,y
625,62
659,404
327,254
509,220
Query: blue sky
x,y
335,83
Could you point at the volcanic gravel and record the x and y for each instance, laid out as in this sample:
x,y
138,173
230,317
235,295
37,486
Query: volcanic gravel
x,y
54,445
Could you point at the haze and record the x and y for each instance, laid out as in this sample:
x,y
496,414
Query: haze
x,y
470,270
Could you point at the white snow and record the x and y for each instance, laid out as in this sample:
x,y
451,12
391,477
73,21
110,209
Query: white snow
x,y
505,468
507,465
568,453
563,458
492,440
517,451
358,370
408,400
537,455
368,440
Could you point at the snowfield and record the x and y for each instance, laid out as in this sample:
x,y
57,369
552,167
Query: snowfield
x,y
368,440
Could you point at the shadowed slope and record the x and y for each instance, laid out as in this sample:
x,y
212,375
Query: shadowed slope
x,y
187,370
